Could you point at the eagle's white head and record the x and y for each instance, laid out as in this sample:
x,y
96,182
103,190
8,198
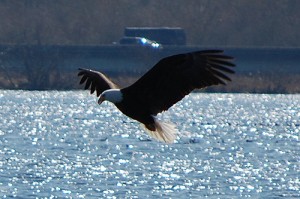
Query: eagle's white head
x,y
111,95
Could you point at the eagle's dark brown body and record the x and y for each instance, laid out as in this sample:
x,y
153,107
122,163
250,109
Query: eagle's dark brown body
x,y
162,86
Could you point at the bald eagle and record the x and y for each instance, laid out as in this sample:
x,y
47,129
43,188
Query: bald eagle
x,y
166,83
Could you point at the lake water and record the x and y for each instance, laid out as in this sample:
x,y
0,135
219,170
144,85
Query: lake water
x,y
63,145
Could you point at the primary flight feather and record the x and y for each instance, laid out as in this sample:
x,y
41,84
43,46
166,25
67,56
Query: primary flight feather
x,y
161,87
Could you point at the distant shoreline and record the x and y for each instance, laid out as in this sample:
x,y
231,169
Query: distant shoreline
x,y
258,70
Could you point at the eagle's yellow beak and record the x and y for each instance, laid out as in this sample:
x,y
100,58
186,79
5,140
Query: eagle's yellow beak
x,y
101,99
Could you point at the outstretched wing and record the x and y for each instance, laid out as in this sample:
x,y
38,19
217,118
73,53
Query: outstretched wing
x,y
97,81
176,76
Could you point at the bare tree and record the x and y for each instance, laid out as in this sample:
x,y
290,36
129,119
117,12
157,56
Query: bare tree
x,y
41,66
4,69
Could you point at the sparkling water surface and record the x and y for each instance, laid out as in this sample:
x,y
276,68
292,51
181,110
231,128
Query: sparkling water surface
x,y
63,145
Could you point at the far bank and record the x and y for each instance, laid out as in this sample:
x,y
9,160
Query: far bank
x,y
40,67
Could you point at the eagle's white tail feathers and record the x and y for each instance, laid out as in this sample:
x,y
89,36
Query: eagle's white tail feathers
x,y
165,132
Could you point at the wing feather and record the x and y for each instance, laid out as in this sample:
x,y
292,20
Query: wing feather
x,y
176,76
220,74
222,68
95,80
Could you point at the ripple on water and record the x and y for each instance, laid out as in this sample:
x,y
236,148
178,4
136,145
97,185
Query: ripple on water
x,y
62,144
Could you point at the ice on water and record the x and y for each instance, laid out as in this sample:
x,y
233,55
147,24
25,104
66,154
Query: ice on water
x,y
62,144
